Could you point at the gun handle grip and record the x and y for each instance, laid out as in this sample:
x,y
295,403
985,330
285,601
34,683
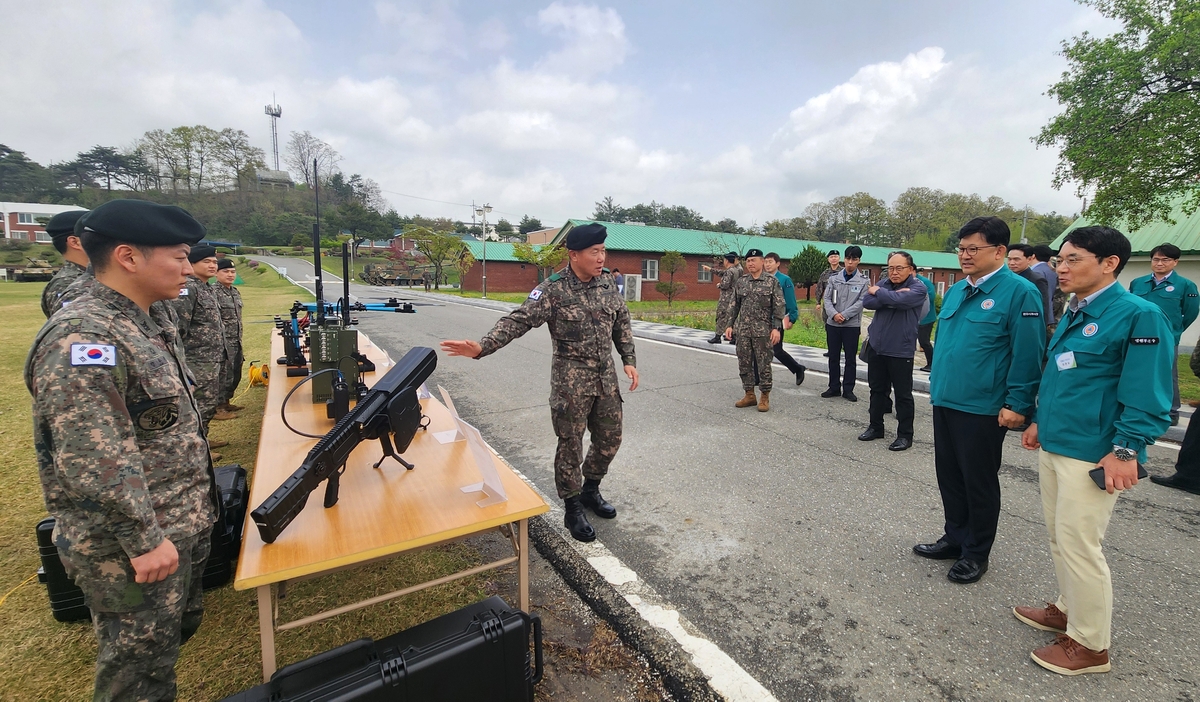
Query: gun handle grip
x,y
331,489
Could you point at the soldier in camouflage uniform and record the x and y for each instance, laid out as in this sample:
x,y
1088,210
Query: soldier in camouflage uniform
x,y
729,278
61,229
121,451
757,320
231,315
587,317
202,331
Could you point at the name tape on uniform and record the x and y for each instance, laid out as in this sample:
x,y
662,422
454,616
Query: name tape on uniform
x,y
1031,314
93,355
1144,340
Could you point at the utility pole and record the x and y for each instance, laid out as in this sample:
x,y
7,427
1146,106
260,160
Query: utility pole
x,y
1024,220
483,210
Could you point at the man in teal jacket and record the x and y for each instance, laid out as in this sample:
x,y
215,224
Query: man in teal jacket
x,y
771,264
990,343
1176,296
1105,395
925,326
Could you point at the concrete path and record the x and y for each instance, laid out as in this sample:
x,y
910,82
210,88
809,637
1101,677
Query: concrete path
x,y
783,544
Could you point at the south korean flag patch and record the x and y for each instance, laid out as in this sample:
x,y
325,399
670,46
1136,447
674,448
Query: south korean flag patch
x,y
183,292
535,294
93,355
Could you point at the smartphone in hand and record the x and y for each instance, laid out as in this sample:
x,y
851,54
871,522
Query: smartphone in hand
x,y
1097,475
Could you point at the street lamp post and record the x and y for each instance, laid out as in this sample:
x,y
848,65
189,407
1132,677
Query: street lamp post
x,y
482,211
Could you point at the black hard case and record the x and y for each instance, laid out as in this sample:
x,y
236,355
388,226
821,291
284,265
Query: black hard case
x,y
66,599
479,653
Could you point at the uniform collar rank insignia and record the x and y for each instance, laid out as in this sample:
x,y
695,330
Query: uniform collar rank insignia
x,y
93,355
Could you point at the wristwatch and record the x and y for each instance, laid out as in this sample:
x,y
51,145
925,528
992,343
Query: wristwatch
x,y
1124,454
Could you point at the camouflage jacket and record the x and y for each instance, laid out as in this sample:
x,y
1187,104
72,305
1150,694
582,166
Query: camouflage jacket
x,y
200,324
586,320
823,281
163,312
729,279
121,452
230,301
758,306
52,295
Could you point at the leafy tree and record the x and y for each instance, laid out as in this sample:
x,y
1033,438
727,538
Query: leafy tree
x,y
75,174
503,228
438,247
1132,112
289,225
794,228
19,175
609,211
302,148
544,258
671,263
463,263
529,224
360,222
806,267
300,240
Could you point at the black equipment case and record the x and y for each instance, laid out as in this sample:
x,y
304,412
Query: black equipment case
x,y
66,599
479,653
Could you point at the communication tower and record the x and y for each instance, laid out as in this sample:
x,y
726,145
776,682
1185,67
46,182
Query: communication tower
x,y
274,112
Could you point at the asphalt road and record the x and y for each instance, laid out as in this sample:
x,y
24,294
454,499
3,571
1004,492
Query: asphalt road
x,y
788,542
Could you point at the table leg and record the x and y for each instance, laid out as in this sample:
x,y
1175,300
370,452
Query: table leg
x,y
523,564
266,630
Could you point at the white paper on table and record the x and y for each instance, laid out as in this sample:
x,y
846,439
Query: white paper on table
x,y
423,392
491,485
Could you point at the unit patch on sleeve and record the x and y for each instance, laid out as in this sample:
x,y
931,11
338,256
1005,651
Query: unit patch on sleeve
x,y
93,355
1144,340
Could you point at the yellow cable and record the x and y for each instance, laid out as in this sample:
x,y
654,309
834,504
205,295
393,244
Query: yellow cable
x,y
23,582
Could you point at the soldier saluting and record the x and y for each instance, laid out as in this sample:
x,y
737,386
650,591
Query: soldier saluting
x,y
121,451
587,317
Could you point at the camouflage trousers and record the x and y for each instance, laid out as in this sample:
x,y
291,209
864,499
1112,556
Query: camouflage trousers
x,y
209,388
231,375
571,415
139,628
754,356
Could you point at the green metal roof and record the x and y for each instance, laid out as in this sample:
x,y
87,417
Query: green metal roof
x,y
634,237
1185,233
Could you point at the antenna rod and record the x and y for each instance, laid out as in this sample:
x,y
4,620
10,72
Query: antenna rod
x,y
317,248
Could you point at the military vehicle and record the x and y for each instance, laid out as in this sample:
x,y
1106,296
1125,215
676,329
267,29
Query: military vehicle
x,y
38,270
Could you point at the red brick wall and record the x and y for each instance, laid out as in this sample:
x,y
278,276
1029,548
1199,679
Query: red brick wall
x,y
502,277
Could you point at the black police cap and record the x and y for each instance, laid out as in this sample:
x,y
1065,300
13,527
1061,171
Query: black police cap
x,y
63,223
585,236
202,251
754,252
223,263
142,223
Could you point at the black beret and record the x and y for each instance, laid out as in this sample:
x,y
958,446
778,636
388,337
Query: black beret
x,y
142,222
731,256
63,223
223,263
833,253
201,252
586,236
754,252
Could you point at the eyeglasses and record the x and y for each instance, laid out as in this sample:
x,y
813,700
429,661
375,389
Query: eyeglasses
x,y
897,269
1072,261
1157,259
972,250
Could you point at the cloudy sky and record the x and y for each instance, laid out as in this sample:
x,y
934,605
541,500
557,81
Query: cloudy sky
x,y
747,110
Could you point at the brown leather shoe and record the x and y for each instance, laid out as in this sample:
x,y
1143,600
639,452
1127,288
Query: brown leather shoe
x,y
1048,618
748,401
217,444
764,402
223,415
1066,656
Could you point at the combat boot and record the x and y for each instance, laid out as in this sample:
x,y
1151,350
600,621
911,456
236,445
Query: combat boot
x,y
748,401
764,402
224,415
593,500
576,521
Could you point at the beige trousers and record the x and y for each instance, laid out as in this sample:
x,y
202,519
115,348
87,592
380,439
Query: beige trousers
x,y
1077,514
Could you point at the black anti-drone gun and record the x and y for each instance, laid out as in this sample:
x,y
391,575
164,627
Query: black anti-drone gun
x,y
390,409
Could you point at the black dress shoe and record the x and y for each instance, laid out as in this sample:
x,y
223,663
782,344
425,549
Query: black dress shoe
x,y
715,340
576,521
850,396
871,434
831,393
902,443
826,354
941,551
924,369
966,571
593,500
800,375
1174,481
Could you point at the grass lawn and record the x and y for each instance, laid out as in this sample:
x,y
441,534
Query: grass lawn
x,y
41,658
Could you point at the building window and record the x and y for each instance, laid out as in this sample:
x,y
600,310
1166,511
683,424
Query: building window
x,y
649,269
941,288
25,218
42,236
703,275
24,236
951,278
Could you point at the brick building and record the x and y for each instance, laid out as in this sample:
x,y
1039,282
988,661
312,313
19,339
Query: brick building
x,y
21,219
638,250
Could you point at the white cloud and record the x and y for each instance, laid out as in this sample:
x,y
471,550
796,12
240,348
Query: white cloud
x,y
593,39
